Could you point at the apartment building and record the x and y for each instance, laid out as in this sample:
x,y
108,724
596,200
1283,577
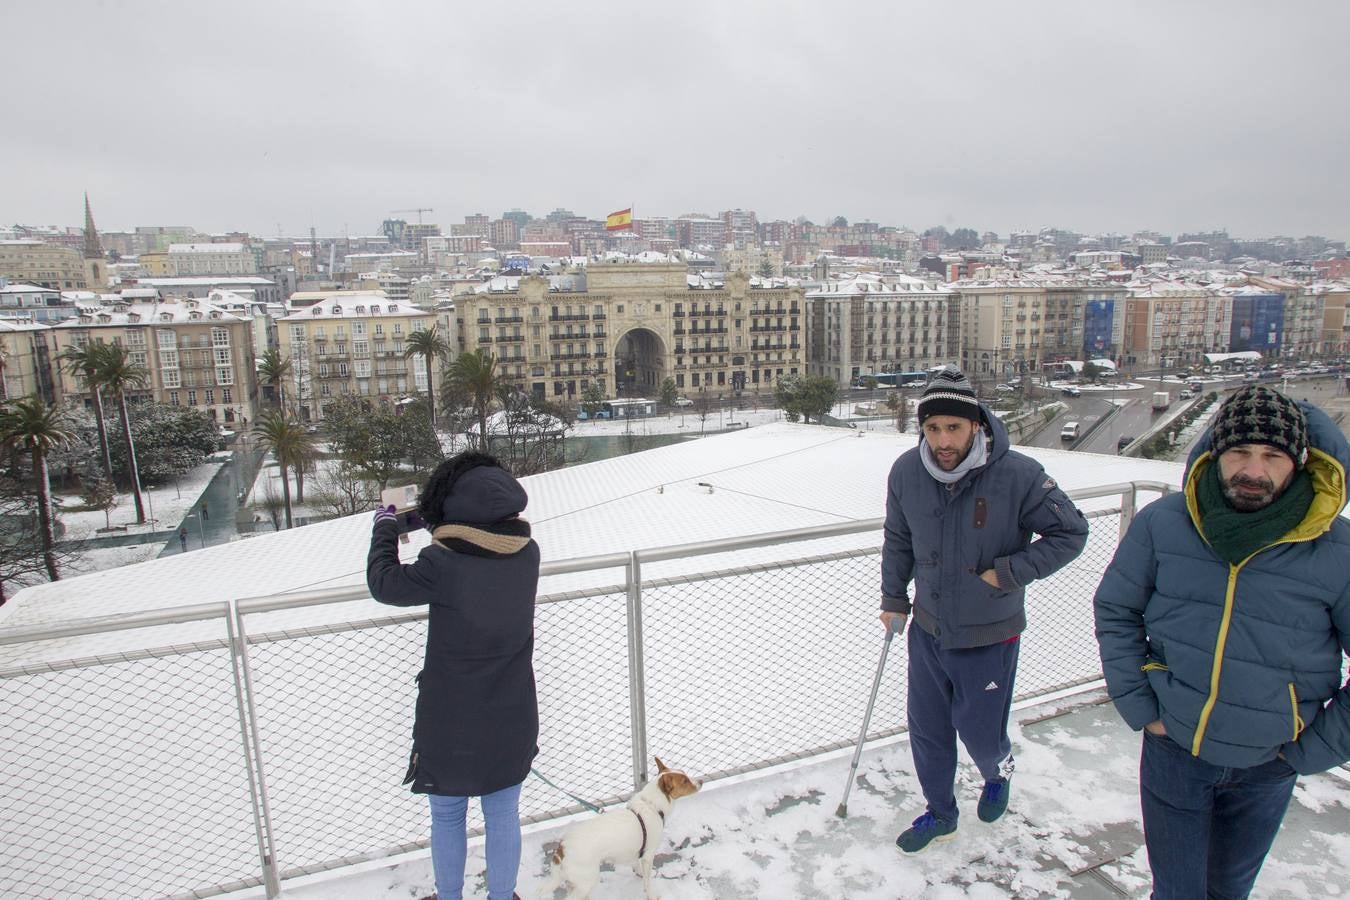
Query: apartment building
x,y
1303,315
26,361
1174,323
196,354
1012,325
210,259
201,286
351,342
633,325
34,303
1335,323
867,323
51,266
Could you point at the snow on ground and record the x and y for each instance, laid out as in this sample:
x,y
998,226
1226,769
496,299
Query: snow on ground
x,y
97,559
776,834
167,503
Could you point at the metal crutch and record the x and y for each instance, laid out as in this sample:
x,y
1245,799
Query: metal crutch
x,y
842,811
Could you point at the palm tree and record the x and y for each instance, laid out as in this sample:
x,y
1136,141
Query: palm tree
x,y
288,440
475,376
83,362
273,369
30,423
119,374
430,346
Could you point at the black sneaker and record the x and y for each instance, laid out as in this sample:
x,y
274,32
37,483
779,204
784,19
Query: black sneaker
x,y
925,829
994,799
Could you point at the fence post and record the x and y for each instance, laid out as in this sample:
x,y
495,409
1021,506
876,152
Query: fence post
x,y
637,681
1128,500
262,812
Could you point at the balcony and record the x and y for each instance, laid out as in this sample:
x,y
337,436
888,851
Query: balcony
x,y
180,695
509,320
510,338
564,317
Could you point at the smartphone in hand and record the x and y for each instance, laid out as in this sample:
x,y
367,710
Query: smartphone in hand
x,y
404,501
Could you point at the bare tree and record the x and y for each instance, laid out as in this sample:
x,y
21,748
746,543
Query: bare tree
x,y
339,490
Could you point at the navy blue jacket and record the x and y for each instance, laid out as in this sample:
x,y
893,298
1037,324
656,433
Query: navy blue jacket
x,y
1240,662
943,536
477,723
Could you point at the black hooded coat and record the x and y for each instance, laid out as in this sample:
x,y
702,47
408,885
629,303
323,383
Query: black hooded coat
x,y
477,722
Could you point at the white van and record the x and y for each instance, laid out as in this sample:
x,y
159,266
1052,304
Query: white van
x,y
1069,432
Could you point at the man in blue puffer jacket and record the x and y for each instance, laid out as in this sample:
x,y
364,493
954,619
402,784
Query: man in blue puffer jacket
x,y
961,510
1222,622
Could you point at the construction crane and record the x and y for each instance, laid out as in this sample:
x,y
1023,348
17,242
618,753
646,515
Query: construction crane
x,y
419,210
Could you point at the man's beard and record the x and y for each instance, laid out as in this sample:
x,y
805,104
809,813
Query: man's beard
x,y
952,462
1249,501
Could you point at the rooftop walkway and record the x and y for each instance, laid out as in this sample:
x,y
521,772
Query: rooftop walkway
x,y
1072,831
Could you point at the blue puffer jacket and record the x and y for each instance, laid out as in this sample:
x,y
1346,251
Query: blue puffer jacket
x,y
1240,662
943,536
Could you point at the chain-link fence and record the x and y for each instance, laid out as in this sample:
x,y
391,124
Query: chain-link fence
x,y
259,752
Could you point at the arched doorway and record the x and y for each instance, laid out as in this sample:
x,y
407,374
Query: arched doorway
x,y
639,364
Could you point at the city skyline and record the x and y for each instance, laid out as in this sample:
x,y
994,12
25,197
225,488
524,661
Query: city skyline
x,y
996,118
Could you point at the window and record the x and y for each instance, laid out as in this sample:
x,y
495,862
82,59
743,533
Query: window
x,y
210,397
342,369
362,368
619,309
298,334
222,356
173,398
225,396
192,398
358,327
360,348
220,337
379,330
138,358
225,376
168,359
165,337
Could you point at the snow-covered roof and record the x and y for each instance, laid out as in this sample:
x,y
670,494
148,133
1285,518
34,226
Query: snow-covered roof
x,y
353,304
769,477
25,289
171,312
206,248
206,281
10,325
879,287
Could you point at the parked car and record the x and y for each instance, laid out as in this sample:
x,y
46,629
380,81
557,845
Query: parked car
x,y
1005,388
683,401
1071,391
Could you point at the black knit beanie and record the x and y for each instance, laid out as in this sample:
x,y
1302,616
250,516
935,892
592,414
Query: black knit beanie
x,y
1258,415
949,394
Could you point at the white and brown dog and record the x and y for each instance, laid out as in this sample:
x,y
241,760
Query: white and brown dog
x,y
628,835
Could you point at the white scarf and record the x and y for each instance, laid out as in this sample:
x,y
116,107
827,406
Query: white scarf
x,y
978,456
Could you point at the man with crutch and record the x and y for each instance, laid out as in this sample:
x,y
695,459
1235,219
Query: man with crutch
x,y
961,510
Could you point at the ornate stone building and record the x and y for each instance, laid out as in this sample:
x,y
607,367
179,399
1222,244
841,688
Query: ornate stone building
x,y
631,325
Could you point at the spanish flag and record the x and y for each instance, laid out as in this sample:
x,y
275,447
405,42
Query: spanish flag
x,y
618,221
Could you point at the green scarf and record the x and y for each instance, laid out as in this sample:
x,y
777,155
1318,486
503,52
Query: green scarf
x,y
1237,535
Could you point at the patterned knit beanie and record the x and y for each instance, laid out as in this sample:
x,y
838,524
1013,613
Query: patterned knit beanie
x,y
949,394
1259,415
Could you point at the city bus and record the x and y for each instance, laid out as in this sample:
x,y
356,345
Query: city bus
x,y
893,379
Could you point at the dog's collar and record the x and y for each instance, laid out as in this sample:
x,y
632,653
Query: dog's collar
x,y
643,825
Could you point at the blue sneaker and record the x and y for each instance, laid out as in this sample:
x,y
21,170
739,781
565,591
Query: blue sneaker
x,y
926,829
994,799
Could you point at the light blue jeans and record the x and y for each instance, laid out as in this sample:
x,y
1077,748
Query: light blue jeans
x,y
449,844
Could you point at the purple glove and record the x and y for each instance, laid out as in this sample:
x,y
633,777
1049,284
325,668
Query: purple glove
x,y
385,514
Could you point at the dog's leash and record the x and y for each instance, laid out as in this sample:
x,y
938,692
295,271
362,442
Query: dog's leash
x,y
540,775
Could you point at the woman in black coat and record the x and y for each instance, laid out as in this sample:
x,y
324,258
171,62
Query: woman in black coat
x,y
477,719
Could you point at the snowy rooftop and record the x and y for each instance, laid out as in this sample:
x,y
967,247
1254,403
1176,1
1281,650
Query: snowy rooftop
x,y
352,304
206,248
167,758
150,313
880,287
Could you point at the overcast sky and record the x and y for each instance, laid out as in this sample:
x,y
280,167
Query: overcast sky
x,y
1169,115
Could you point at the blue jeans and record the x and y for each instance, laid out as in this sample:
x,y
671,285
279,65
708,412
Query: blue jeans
x,y
449,844
1230,816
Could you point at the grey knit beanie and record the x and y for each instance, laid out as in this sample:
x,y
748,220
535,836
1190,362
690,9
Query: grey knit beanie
x,y
1259,415
949,393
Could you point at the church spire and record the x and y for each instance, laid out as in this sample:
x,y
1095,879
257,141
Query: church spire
x,y
92,248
